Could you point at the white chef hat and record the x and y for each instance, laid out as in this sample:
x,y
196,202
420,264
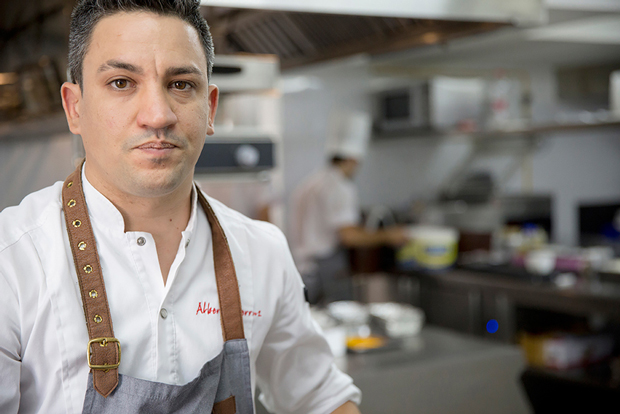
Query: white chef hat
x,y
348,134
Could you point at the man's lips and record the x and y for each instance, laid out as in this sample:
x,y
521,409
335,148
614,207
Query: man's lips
x,y
156,146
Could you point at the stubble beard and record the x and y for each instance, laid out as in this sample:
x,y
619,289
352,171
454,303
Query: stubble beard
x,y
162,175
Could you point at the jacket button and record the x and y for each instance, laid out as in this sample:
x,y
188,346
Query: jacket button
x,y
141,241
163,313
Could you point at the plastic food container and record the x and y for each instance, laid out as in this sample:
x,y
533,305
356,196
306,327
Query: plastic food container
x,y
430,248
540,262
348,312
397,320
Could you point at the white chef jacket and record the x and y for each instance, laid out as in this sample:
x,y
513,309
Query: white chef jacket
x,y
166,332
323,204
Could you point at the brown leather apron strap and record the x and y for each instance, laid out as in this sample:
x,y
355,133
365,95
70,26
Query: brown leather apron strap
x,y
226,277
103,349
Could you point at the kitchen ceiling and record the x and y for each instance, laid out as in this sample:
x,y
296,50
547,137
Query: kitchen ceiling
x,y
17,17
30,29
571,38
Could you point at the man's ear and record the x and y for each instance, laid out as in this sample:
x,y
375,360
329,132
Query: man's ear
x,y
71,94
213,98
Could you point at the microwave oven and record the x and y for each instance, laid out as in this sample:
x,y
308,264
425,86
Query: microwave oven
x,y
440,103
403,108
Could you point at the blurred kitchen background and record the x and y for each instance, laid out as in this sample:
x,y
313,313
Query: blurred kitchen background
x,y
495,139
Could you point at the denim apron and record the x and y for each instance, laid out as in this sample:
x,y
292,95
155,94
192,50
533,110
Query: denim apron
x,y
223,385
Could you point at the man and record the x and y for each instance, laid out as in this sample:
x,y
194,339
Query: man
x,y
326,214
203,302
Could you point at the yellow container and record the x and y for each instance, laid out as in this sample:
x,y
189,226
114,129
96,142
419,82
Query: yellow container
x,y
565,351
430,248
533,346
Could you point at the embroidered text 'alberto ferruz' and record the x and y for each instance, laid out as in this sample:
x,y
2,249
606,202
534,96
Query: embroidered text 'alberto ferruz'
x,y
205,307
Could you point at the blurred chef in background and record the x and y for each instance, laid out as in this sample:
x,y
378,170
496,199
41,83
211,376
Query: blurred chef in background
x,y
325,214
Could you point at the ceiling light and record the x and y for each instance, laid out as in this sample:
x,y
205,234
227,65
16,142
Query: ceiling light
x,y
8,78
430,38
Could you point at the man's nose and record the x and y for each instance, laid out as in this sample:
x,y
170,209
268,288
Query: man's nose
x,y
155,109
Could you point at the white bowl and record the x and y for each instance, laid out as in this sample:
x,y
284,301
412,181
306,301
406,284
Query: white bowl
x,y
540,262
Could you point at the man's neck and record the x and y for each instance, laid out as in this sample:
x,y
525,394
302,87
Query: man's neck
x,y
164,217
155,215
159,215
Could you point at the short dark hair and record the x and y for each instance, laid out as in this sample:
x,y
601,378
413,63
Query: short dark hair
x,y
87,13
339,159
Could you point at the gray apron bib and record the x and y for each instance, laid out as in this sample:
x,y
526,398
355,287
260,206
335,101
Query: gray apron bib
x,y
223,385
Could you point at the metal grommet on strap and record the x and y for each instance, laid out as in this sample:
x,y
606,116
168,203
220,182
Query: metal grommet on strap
x,y
101,359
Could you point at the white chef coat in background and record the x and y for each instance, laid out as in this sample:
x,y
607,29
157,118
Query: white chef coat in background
x,y
166,332
324,203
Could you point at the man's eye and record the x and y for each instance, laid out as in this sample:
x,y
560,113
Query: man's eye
x,y
181,85
120,83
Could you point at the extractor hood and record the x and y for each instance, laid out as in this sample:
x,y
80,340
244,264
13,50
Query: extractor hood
x,y
302,32
505,11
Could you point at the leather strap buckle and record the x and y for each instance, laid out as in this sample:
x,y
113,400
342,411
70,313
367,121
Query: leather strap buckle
x,y
103,342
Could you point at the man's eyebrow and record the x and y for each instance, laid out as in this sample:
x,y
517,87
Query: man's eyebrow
x,y
116,64
183,70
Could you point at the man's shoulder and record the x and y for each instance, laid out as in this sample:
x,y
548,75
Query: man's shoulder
x,y
312,186
30,214
330,180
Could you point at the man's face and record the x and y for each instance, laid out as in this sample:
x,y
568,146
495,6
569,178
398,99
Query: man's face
x,y
146,105
349,167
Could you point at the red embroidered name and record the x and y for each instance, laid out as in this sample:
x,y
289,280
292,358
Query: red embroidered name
x,y
205,307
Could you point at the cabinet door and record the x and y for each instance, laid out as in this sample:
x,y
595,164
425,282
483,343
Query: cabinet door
x,y
452,308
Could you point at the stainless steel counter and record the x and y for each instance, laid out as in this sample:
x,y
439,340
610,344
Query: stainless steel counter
x,y
465,300
439,371
584,298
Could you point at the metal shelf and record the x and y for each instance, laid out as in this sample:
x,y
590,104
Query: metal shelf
x,y
227,133
518,143
37,128
499,134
